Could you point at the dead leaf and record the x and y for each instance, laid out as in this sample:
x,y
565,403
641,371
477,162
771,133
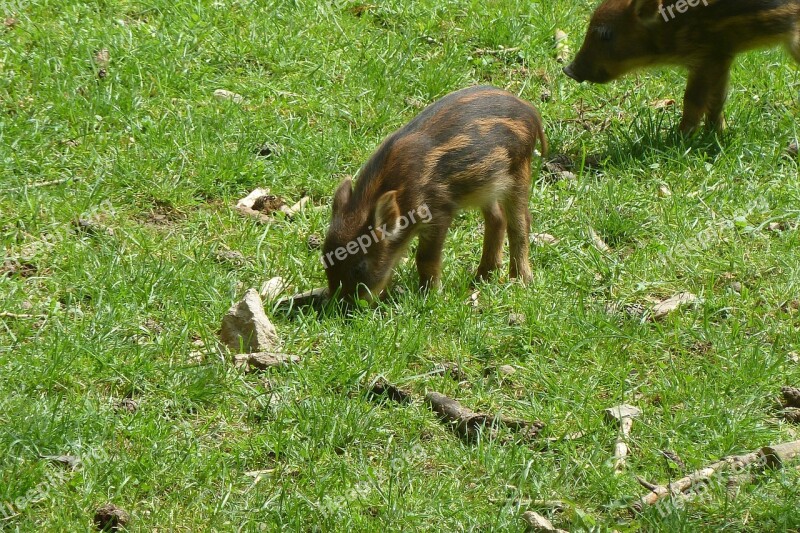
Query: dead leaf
x,y
663,104
224,94
273,288
562,46
599,243
664,308
543,239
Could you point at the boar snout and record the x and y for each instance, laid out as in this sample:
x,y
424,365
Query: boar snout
x,y
569,70
577,71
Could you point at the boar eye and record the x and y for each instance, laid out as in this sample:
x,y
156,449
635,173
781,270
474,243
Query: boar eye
x,y
606,35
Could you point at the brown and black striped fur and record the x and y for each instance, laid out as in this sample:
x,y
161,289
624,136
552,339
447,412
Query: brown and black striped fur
x,y
472,148
624,35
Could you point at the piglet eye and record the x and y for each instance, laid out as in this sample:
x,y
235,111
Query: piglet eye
x,y
606,35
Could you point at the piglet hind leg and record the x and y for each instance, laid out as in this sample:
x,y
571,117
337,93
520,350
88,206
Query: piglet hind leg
x,y
493,239
429,254
518,219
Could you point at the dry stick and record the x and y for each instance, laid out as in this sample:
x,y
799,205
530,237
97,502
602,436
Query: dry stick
x,y
537,522
43,184
770,456
622,415
17,316
467,423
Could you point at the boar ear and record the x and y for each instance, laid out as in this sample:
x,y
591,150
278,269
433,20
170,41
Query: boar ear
x,y
342,195
387,212
647,10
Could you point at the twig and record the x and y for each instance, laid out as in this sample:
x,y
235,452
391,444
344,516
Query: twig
x,y
467,423
44,184
770,456
622,416
16,316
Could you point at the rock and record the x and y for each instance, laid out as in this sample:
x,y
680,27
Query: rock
x,y
559,163
791,415
265,150
91,227
546,96
314,242
794,357
454,371
516,319
129,405
230,256
246,327
224,94
537,522
664,308
273,288
110,518
664,192
507,370
736,287
791,396
259,362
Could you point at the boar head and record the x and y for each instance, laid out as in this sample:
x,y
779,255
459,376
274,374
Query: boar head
x,y
621,37
359,252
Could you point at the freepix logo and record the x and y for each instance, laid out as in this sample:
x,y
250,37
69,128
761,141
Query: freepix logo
x,y
681,6
375,235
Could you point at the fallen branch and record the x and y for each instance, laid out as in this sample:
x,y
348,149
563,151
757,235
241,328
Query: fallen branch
x,y
467,423
382,388
768,456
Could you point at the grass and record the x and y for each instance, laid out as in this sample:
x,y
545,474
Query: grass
x,y
154,156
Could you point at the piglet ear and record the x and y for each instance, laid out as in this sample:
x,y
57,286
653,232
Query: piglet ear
x,y
647,11
342,196
387,212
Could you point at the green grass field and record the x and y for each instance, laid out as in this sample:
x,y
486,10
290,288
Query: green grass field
x,y
104,369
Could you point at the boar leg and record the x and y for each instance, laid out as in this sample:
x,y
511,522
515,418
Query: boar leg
x,y
794,47
706,93
493,238
519,227
429,253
